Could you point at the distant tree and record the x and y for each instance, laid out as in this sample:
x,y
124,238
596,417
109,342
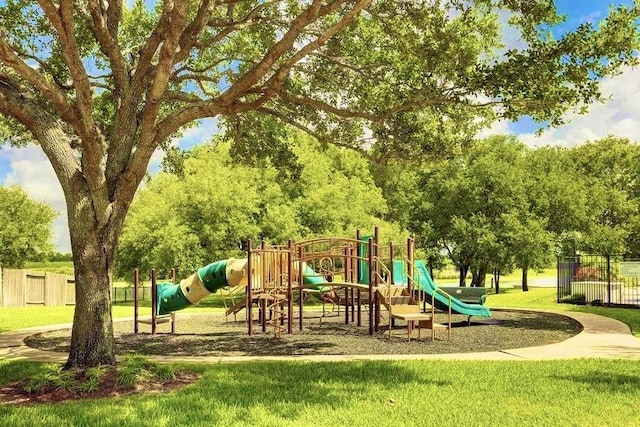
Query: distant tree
x,y
25,228
476,206
608,168
528,242
210,211
558,194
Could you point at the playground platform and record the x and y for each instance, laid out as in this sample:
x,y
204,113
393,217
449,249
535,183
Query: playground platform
x,y
601,337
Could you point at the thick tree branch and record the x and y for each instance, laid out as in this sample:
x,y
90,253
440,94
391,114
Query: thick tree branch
x,y
188,114
114,15
323,106
43,65
287,119
192,31
163,71
45,129
52,93
228,27
175,15
362,71
62,20
285,44
105,32
126,128
91,139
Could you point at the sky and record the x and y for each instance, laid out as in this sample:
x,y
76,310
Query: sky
x,y
620,115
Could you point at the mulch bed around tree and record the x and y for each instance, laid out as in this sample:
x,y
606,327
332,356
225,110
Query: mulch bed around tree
x,y
15,394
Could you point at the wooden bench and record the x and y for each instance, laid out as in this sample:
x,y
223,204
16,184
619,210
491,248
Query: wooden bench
x,y
419,320
466,294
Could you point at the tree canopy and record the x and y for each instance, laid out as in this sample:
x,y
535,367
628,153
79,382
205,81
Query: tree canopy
x,y
25,233
477,208
210,211
100,86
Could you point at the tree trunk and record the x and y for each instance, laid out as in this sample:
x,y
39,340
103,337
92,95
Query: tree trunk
x,y
525,283
92,341
463,275
496,279
478,277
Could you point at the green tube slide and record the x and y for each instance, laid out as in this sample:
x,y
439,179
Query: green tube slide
x,y
208,279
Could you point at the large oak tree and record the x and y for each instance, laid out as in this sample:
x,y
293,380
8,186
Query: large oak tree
x,y
100,87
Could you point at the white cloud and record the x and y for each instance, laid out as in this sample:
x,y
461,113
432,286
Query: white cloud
x,y
500,127
619,116
592,17
192,136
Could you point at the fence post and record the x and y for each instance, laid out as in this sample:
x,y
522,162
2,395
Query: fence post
x,y
136,299
608,279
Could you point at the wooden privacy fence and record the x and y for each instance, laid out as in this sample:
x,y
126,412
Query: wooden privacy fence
x,y
20,288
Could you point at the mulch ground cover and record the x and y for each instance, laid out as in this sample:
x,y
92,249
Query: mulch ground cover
x,y
213,335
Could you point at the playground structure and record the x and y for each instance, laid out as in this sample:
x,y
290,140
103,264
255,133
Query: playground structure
x,y
353,273
155,317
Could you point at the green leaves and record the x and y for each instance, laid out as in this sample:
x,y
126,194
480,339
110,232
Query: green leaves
x,y
220,201
478,208
25,231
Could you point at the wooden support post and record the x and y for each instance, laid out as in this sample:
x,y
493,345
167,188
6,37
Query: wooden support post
x,y
154,304
347,278
301,289
346,305
376,254
357,278
391,263
263,313
250,279
136,300
353,305
289,288
174,274
371,282
410,262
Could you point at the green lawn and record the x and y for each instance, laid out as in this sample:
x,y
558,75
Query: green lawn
x,y
62,267
408,393
442,393
26,317
506,280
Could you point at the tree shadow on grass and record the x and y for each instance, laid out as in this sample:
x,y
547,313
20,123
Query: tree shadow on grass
x,y
244,394
291,389
606,382
221,344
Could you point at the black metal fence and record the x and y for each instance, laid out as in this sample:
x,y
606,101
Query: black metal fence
x,y
609,280
125,294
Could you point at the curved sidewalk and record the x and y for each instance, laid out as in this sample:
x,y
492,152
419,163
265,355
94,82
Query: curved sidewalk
x,y
602,337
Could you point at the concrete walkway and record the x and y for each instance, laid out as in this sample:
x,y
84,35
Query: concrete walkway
x,y
602,337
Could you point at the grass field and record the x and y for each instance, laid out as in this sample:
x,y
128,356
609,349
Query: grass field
x,y
507,280
61,267
413,393
409,393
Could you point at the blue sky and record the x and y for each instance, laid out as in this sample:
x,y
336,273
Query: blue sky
x,y
29,168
